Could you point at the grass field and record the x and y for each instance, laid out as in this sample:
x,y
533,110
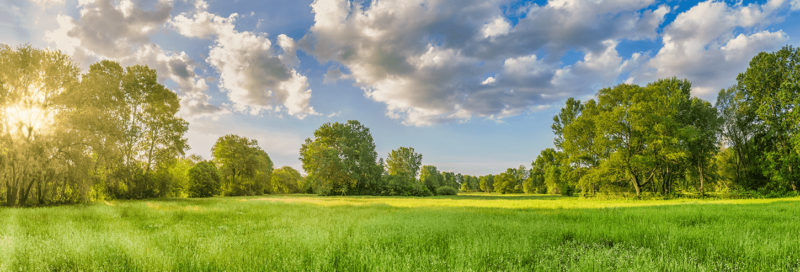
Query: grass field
x,y
476,232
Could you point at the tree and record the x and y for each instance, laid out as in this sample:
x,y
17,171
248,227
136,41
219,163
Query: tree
x,y
487,183
431,178
131,123
34,143
504,183
180,177
287,180
741,133
341,159
703,125
204,180
404,161
771,85
244,167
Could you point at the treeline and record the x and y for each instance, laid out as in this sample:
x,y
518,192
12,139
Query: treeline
x,y
114,133
341,160
659,140
111,133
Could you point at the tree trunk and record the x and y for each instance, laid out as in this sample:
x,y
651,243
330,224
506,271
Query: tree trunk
x,y
702,180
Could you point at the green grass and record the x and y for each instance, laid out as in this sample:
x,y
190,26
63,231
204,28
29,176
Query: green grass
x,y
474,232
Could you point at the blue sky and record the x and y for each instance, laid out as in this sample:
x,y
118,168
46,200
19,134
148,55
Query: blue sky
x,y
471,85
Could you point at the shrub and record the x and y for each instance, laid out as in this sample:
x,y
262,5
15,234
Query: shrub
x,y
204,180
446,190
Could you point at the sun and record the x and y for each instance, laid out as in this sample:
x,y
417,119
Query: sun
x,y
27,120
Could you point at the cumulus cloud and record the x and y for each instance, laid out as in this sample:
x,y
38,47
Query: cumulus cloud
x,y
702,44
257,75
122,32
448,61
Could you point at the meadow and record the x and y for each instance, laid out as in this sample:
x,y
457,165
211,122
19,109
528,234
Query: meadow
x,y
472,232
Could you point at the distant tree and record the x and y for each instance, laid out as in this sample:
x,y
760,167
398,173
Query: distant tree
x,y
431,178
404,161
505,182
446,190
244,167
204,180
487,183
341,159
287,180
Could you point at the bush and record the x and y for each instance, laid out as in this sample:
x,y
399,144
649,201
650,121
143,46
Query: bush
x,y
446,190
204,180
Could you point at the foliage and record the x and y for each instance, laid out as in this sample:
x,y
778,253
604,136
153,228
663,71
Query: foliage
x,y
287,180
431,178
341,159
403,161
446,190
244,167
771,89
204,180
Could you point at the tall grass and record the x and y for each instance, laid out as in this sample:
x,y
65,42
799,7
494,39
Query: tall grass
x,y
463,233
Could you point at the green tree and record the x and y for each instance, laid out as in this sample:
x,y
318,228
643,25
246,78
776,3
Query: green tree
x,y
244,167
487,183
134,119
431,178
287,180
771,85
404,161
204,180
504,183
703,125
740,132
341,159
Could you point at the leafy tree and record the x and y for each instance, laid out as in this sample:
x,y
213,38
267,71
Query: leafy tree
x,y
504,183
287,180
204,180
431,178
771,86
703,125
133,119
180,177
341,159
35,143
487,183
449,179
404,161
446,190
244,167
740,132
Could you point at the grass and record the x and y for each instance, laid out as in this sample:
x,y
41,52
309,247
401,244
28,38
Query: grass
x,y
473,232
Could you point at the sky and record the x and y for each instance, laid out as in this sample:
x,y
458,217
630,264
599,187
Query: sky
x,y
472,85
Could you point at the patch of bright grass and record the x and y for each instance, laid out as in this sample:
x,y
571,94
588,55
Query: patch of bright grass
x,y
472,232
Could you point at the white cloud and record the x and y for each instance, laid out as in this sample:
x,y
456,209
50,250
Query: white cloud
x,y
702,44
122,33
256,77
428,61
